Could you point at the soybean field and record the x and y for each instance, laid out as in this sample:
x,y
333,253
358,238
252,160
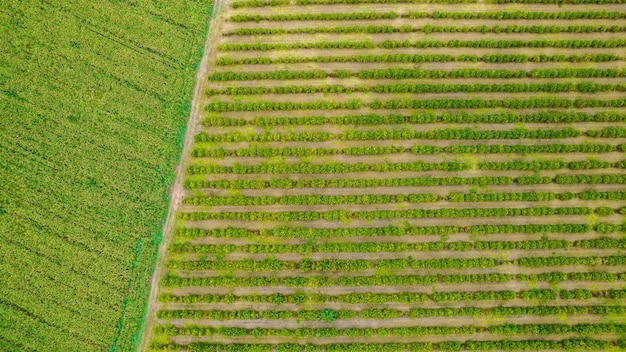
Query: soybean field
x,y
94,97
403,175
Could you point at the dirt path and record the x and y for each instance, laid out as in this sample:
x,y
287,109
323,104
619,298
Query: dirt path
x,y
417,255
177,191
418,36
405,307
426,289
385,339
231,161
512,237
360,323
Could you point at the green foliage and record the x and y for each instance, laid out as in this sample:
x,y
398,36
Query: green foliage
x,y
89,91
382,134
306,192
584,87
315,17
391,44
398,73
421,118
329,315
442,230
340,215
383,280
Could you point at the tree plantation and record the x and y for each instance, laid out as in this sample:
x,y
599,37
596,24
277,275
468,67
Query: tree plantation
x,y
404,175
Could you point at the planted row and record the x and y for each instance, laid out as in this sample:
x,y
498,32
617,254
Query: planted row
x,y
259,3
317,315
395,247
455,43
383,280
308,168
493,15
391,230
267,152
493,58
417,166
343,215
408,134
584,87
220,106
530,103
321,199
406,331
405,73
430,29
285,183
326,265
584,344
519,15
422,118
300,298
306,16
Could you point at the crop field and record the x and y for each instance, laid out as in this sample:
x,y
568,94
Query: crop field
x,y
94,97
404,175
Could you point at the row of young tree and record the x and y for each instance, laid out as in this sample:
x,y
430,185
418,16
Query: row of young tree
x,y
414,313
398,134
492,15
259,3
391,230
406,133
455,43
406,73
221,106
416,58
387,280
530,103
537,29
397,247
342,265
569,344
344,215
267,152
308,16
583,87
417,166
421,118
405,331
332,168
299,298
456,197
285,183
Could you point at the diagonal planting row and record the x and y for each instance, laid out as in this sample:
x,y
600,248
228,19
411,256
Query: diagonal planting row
x,y
369,170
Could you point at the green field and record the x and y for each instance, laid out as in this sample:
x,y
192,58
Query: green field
x,y
404,175
94,97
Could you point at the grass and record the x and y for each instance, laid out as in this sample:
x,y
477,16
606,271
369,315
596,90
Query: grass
x,y
94,98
